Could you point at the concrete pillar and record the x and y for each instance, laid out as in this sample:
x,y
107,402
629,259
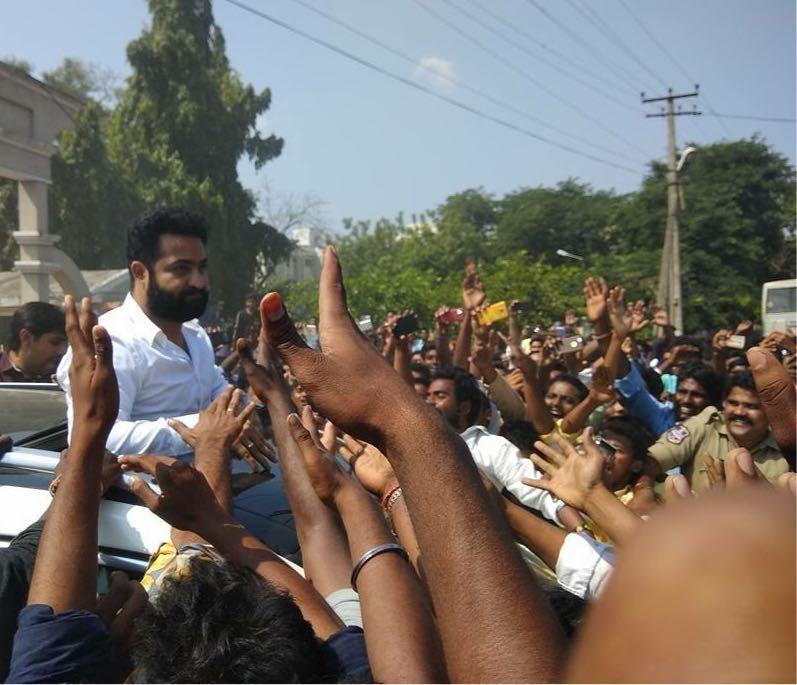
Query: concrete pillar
x,y
33,241
32,207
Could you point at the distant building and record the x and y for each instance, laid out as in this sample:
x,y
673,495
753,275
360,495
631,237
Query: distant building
x,y
305,259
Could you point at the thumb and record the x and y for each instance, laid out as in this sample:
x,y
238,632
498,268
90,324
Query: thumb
x,y
778,395
302,438
141,490
103,348
282,334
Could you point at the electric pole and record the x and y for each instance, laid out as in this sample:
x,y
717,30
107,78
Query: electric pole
x,y
669,290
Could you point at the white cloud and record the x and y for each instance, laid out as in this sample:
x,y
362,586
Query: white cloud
x,y
436,69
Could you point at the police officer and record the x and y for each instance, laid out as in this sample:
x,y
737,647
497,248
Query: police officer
x,y
741,423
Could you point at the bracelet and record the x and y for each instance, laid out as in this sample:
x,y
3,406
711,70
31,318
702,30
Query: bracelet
x,y
394,497
370,554
386,498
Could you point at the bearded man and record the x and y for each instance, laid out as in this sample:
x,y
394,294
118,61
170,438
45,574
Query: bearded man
x,y
163,358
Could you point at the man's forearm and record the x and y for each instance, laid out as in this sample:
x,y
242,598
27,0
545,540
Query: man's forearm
x,y
544,539
536,411
462,350
616,519
64,575
466,544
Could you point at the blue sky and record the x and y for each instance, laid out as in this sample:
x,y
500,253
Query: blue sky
x,y
370,146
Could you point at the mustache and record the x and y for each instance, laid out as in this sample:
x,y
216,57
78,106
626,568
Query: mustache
x,y
195,291
741,419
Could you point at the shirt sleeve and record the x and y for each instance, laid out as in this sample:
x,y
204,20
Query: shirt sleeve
x,y
659,416
679,444
68,647
502,463
507,400
584,565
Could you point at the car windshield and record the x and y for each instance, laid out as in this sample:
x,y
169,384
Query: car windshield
x,y
782,300
29,408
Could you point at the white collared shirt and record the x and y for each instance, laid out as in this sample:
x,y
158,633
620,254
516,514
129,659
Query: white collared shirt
x,y
584,565
503,464
157,379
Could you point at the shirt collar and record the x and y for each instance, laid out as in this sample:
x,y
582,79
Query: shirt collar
x,y
144,326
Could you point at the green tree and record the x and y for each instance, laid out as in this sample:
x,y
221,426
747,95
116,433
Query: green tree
x,y
8,223
181,126
83,79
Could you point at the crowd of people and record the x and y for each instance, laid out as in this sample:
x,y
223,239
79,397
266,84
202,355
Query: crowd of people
x,y
461,493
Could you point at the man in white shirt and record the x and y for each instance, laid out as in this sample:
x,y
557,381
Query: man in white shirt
x,y
163,358
455,394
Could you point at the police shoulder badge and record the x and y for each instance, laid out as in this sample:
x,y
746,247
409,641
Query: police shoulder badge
x,y
677,434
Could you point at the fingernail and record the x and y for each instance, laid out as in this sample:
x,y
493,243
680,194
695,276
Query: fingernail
x,y
757,358
745,462
793,484
333,250
682,486
293,419
272,306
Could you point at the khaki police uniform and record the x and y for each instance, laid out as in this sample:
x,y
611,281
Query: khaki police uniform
x,y
685,444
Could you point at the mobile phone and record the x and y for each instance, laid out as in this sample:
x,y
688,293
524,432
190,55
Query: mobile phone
x,y
521,306
365,324
495,312
406,325
452,316
606,449
572,344
736,342
560,331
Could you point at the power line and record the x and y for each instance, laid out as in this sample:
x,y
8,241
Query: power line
x,y
580,40
610,33
536,55
672,59
559,55
780,120
457,82
396,77
527,76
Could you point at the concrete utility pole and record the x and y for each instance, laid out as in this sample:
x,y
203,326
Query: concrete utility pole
x,y
669,291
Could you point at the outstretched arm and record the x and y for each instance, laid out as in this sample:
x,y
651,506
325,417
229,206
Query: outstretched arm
x,y
384,411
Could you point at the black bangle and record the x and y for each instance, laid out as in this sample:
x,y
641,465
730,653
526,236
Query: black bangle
x,y
371,553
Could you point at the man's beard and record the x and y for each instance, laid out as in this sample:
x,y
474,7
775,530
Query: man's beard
x,y
184,306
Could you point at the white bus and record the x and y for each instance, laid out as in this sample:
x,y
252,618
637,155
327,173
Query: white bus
x,y
779,306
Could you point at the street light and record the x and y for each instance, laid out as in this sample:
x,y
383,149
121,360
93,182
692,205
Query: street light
x,y
569,255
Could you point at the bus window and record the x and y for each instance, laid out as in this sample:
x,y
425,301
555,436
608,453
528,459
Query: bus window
x,y
781,300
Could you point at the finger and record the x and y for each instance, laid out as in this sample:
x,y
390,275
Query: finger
x,y
123,623
350,447
103,350
677,488
543,465
565,449
222,402
183,431
740,468
283,336
329,437
303,438
788,481
147,496
86,318
332,307
118,591
244,416
262,454
778,395
308,420
144,463
77,342
537,483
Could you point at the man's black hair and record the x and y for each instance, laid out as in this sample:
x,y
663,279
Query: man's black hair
x,y
652,379
466,389
143,235
707,378
421,370
633,429
741,379
581,390
687,340
37,318
521,434
222,624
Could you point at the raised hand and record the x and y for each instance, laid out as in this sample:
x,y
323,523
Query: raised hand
x,y
473,294
523,361
595,294
348,366
602,386
218,425
371,467
186,501
325,476
618,314
572,477
720,339
639,317
95,392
